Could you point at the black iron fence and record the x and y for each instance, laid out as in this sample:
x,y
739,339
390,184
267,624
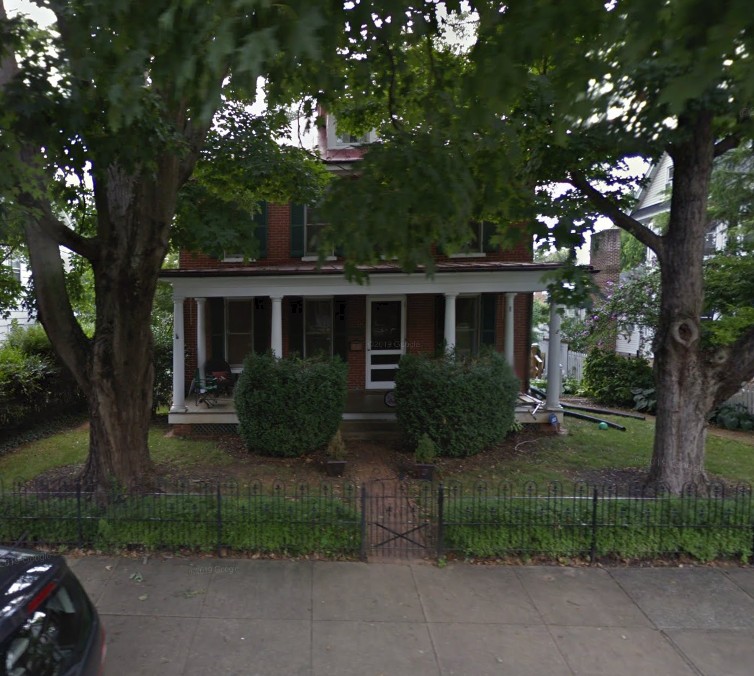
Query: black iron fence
x,y
410,519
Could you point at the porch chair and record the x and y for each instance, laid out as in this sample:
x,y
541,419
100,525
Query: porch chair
x,y
219,369
205,391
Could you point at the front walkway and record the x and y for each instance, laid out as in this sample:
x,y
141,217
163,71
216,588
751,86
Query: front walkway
x,y
198,616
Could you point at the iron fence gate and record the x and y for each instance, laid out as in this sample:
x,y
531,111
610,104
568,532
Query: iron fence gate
x,y
399,519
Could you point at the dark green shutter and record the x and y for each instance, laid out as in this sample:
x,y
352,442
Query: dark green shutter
x,y
298,212
489,301
260,231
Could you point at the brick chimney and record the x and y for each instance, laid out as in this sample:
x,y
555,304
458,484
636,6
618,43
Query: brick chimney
x,y
604,257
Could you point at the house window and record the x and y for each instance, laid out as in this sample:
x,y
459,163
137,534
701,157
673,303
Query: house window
x,y
259,223
15,269
467,326
478,243
318,327
239,330
311,327
314,226
669,179
710,242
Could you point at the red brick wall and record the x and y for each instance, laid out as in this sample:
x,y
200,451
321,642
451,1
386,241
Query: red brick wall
x,y
420,323
356,319
279,247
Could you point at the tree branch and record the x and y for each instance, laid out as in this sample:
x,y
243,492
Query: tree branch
x,y
608,208
728,143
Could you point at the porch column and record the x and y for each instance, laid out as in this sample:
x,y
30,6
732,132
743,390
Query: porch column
x,y
509,323
450,322
201,335
276,330
553,360
179,349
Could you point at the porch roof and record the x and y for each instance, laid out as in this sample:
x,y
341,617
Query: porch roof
x,y
306,279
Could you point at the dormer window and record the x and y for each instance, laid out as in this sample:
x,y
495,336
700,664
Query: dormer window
x,y
343,139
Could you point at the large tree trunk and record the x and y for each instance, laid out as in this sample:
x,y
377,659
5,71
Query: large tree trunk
x,y
684,387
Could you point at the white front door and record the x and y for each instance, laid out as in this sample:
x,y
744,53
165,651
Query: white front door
x,y
386,330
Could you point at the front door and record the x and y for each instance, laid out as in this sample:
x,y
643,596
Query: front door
x,y
386,327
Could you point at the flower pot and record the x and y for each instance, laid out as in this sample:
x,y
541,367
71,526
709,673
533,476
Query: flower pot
x,y
423,471
335,467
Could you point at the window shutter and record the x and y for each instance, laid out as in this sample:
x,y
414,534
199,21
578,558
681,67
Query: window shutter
x,y
488,230
260,230
298,214
488,318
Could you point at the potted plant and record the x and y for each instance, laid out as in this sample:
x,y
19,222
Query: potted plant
x,y
424,457
336,456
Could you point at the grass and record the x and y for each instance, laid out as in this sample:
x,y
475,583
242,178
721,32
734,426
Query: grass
x,y
539,459
70,448
585,448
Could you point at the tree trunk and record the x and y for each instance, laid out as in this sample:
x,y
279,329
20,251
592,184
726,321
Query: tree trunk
x,y
685,388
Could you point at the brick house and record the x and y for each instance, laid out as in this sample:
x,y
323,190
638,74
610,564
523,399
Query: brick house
x,y
285,302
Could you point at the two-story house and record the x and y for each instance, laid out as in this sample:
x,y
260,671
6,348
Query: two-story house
x,y
285,302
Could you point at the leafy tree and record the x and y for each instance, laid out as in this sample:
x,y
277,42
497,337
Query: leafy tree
x,y
551,93
104,119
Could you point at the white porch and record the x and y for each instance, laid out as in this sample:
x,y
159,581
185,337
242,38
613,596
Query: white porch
x,y
509,279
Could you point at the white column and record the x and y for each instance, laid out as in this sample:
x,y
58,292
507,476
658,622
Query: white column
x,y
276,330
509,323
179,349
450,321
553,360
201,335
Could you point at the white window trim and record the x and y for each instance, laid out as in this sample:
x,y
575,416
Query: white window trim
x,y
480,253
334,142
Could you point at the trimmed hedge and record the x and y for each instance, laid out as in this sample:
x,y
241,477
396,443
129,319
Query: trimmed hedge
x,y
612,379
289,407
464,405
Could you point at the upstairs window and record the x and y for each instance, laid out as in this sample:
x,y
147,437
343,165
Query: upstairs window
x,y
478,243
307,228
260,233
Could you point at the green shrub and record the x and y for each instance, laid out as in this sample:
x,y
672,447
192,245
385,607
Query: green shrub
x,y
612,379
163,364
34,386
426,451
288,407
733,416
464,405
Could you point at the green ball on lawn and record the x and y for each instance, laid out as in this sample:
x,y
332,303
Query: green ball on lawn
x,y
603,425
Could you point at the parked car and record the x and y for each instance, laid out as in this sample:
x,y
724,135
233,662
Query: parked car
x,y
48,625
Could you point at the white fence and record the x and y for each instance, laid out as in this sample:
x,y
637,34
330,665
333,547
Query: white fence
x,y
745,396
575,365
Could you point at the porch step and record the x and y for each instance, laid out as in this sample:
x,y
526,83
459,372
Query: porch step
x,y
384,430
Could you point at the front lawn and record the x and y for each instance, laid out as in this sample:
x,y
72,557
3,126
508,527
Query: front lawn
x,y
536,455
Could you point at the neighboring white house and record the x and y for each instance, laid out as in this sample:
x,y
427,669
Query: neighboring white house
x,y
19,315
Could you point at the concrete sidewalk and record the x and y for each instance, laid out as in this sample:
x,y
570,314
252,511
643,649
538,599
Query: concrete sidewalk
x,y
224,616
